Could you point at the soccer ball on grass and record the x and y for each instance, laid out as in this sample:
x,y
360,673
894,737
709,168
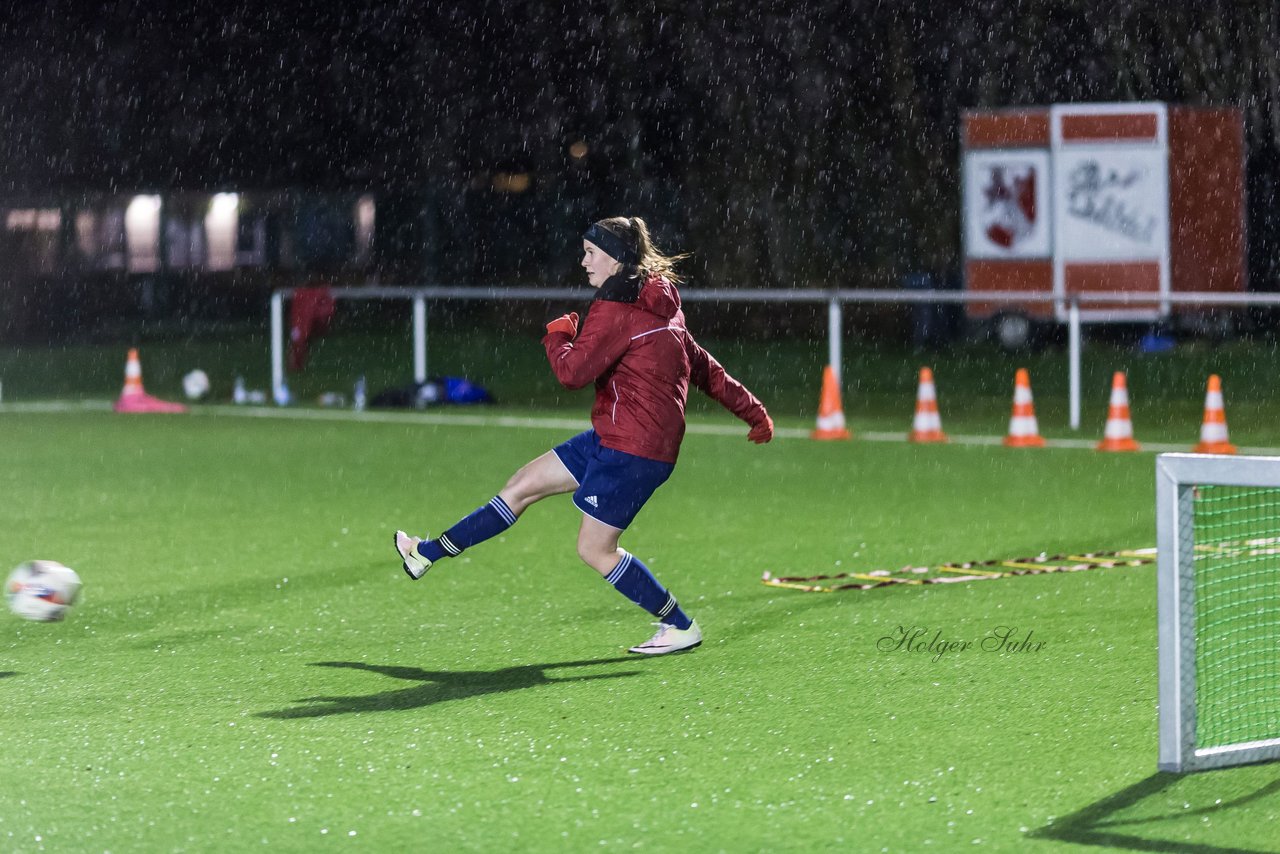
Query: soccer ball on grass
x,y
42,590
195,385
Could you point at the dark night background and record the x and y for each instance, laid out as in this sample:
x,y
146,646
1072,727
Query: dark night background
x,y
785,144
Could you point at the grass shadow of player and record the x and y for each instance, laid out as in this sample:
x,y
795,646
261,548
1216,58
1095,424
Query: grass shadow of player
x,y
1098,823
5,673
439,686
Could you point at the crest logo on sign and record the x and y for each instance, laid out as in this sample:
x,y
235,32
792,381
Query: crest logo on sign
x,y
1009,212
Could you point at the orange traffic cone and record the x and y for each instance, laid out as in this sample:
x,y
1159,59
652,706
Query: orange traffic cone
x,y
133,398
830,410
1213,432
1024,432
132,375
1118,435
927,424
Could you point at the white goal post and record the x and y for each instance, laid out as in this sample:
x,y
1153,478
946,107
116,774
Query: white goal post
x,y
1219,610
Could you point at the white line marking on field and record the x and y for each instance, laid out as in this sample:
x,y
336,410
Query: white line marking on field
x,y
58,406
463,419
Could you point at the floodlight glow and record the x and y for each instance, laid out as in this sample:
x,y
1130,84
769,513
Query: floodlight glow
x,y
224,205
142,233
33,219
366,209
87,233
221,225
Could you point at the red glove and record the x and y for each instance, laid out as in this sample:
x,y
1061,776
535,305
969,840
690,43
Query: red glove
x,y
566,323
762,431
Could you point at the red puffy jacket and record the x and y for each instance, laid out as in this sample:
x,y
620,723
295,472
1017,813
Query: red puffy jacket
x,y
642,359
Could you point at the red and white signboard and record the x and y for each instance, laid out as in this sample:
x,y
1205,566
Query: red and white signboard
x,y
1007,204
1111,206
1141,200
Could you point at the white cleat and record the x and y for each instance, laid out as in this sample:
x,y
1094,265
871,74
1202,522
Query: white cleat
x,y
670,639
414,564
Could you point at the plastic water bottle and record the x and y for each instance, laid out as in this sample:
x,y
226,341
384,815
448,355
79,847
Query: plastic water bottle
x,y
358,398
238,392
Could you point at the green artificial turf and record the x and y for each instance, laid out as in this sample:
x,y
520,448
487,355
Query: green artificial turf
x,y
250,668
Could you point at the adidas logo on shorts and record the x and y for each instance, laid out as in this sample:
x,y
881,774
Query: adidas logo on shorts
x,y
592,500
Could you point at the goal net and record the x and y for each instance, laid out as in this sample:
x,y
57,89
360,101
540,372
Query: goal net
x,y
1218,537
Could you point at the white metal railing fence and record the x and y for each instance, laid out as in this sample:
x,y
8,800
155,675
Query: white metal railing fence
x,y
834,298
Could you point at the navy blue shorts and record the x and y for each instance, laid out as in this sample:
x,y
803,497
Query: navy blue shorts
x,y
612,485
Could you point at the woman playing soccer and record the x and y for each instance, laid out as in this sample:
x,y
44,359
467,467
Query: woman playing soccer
x,y
634,346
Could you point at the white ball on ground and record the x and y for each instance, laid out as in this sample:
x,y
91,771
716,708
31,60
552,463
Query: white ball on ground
x,y
195,384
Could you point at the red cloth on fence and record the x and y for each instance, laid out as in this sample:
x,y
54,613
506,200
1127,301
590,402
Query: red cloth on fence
x,y
309,314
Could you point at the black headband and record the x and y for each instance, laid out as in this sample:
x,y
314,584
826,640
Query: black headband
x,y
613,245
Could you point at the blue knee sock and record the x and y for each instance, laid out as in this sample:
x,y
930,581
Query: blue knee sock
x,y
485,522
634,580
